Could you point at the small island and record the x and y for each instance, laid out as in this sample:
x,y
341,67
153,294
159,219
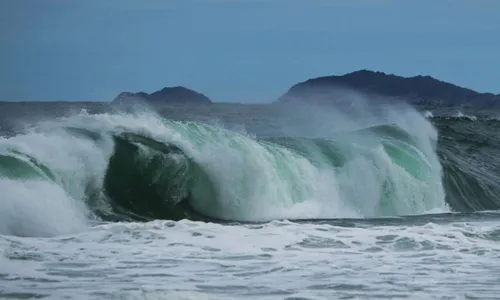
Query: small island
x,y
418,90
177,94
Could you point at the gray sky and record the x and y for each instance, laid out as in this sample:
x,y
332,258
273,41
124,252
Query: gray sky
x,y
237,51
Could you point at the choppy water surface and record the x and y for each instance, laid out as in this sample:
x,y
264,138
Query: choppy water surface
x,y
278,260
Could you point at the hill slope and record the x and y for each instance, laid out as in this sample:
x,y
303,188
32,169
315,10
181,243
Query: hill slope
x,y
176,94
415,90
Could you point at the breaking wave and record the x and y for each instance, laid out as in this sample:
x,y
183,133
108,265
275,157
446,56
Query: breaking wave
x,y
140,167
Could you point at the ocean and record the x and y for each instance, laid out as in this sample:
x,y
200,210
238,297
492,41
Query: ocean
x,y
232,201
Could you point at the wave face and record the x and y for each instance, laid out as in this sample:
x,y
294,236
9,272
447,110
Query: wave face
x,y
468,151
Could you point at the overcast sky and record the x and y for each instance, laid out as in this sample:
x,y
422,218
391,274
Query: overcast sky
x,y
237,51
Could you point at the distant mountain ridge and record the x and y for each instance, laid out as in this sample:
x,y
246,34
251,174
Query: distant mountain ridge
x,y
177,94
424,90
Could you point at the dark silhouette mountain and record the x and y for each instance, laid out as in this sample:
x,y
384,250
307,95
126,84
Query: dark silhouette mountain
x,y
421,90
176,94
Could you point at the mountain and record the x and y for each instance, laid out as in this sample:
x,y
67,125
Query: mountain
x,y
420,90
176,94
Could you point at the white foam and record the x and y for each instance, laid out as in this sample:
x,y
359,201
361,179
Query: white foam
x,y
461,115
38,208
428,114
203,260
57,205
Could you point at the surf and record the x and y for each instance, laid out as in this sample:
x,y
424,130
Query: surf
x,y
141,167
